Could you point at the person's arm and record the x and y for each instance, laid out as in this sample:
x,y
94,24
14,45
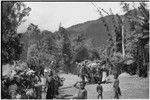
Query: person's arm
x,y
75,85
97,88
102,89
114,83
39,84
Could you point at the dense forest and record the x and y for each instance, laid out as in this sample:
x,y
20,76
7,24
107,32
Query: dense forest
x,y
113,38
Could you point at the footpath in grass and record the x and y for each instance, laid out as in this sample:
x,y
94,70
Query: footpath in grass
x,y
132,87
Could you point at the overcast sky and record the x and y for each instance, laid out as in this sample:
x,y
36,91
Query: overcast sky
x,y
48,15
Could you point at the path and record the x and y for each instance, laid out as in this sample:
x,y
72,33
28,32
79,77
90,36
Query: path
x,y
132,87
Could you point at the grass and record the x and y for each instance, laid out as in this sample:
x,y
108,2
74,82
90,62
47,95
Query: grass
x,y
132,87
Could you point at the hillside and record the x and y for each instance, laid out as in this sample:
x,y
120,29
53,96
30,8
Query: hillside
x,y
92,29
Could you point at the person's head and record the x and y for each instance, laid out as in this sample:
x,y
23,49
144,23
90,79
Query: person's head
x,y
99,82
50,73
45,72
82,85
116,76
86,61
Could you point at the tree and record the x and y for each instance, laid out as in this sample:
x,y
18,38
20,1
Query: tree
x,y
30,37
38,59
66,48
94,54
43,48
139,22
81,54
12,16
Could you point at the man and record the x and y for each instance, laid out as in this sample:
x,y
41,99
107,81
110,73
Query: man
x,y
82,93
99,89
83,71
50,91
38,86
41,86
100,74
57,83
117,91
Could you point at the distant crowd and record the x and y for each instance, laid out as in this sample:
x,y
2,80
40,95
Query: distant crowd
x,y
93,72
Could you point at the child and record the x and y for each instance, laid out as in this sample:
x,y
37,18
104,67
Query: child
x,y
82,93
99,90
117,91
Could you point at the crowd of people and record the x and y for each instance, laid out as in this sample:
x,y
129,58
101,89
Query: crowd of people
x,y
94,73
82,92
29,84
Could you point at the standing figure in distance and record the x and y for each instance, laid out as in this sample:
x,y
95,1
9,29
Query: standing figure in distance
x,y
117,91
99,89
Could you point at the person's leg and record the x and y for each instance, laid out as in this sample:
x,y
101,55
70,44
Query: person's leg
x,y
36,90
117,96
119,91
114,94
48,94
101,96
38,93
98,96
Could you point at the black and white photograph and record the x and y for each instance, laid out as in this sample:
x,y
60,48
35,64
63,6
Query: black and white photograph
x,y
74,50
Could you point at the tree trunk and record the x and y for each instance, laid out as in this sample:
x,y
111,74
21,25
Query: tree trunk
x,y
123,47
140,57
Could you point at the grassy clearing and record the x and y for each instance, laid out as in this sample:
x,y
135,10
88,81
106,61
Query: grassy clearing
x,y
132,87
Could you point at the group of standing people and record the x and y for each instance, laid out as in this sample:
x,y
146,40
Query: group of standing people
x,y
30,85
92,72
50,83
82,92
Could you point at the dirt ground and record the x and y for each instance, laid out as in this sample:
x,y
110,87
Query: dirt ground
x,y
132,87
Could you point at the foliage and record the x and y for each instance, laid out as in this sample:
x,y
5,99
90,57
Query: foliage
x,y
12,16
135,37
66,48
139,37
43,48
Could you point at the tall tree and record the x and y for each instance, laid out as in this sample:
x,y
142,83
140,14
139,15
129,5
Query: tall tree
x,y
66,48
12,16
139,22
43,48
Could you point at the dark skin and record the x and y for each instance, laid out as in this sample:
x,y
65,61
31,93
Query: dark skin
x,y
82,93
115,76
82,85
99,95
116,87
